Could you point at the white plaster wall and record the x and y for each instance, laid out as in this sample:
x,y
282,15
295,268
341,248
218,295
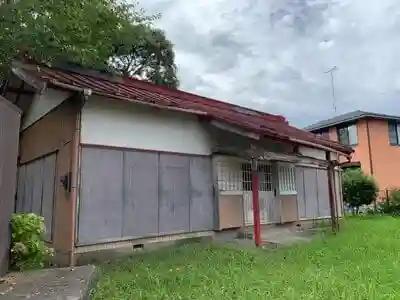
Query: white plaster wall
x,y
334,156
311,152
120,124
42,104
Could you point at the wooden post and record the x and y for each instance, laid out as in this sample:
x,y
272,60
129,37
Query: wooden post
x,y
387,195
331,193
335,195
256,203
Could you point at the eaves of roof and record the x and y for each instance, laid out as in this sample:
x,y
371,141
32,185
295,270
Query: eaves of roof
x,y
347,118
138,91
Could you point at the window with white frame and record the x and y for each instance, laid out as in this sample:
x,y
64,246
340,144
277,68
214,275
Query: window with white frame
x,y
233,176
229,176
287,180
247,176
348,135
265,171
265,177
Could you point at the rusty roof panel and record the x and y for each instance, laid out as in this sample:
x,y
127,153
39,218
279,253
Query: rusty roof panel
x,y
137,90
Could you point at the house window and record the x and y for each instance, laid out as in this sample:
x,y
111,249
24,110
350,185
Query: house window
x,y
394,133
287,180
229,176
265,177
323,133
247,176
348,135
265,171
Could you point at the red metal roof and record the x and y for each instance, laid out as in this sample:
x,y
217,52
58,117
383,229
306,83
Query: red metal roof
x,y
130,89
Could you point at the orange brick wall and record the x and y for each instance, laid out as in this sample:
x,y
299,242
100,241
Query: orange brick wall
x,y
385,158
361,153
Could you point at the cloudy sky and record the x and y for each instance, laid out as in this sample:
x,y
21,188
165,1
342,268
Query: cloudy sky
x,y
272,54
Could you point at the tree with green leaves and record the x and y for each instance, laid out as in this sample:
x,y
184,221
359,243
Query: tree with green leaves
x,y
102,34
358,189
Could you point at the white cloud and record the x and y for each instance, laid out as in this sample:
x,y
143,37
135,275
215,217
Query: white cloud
x,y
272,55
325,45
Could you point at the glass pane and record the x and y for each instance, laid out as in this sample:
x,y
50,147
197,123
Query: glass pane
x,y
247,176
343,134
352,130
394,133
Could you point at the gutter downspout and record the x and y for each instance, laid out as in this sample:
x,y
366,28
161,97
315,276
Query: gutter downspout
x,y
75,155
371,166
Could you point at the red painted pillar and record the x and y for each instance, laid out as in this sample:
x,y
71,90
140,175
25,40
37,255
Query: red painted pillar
x,y
256,203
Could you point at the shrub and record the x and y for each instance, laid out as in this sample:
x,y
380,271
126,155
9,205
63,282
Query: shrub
x,y
28,249
392,204
394,196
358,189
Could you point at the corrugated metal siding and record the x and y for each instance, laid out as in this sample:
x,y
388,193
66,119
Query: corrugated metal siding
x,y
312,192
9,134
36,189
49,171
132,194
101,196
301,200
140,182
174,194
323,193
201,194
21,188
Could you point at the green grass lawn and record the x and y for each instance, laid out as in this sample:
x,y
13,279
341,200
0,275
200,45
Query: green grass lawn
x,y
361,262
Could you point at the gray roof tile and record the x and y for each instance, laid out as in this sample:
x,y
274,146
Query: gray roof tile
x,y
348,117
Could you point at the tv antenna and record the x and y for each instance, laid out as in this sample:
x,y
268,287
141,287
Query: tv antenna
x,y
330,71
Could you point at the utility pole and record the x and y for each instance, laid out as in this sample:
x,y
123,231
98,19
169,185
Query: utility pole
x,y
330,71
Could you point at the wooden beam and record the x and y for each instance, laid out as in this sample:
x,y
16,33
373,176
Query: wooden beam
x,y
332,202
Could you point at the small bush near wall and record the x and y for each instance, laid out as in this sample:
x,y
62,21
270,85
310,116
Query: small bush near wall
x,y
28,249
392,205
394,196
358,189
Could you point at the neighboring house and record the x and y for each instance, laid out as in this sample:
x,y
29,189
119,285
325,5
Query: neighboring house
x,y
111,161
375,139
